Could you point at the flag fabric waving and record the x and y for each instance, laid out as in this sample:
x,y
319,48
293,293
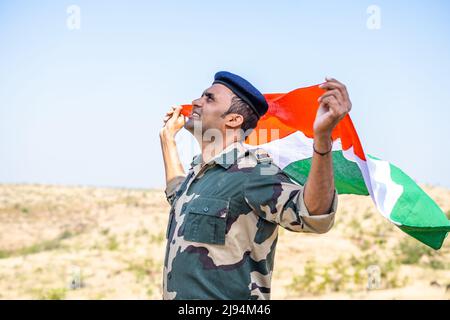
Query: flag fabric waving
x,y
286,133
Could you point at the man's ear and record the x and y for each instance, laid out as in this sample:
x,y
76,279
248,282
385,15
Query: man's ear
x,y
234,120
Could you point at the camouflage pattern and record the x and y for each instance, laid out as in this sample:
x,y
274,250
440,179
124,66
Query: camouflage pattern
x,y
223,226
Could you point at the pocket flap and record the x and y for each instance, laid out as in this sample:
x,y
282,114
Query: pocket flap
x,y
209,207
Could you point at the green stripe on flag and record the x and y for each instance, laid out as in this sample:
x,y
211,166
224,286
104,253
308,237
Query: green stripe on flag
x,y
347,176
419,215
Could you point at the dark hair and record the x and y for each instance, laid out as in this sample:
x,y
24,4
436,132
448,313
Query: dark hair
x,y
239,106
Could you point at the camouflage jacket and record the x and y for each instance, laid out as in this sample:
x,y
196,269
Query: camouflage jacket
x,y
223,226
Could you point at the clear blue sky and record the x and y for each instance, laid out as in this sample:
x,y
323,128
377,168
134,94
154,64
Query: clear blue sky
x,y
84,107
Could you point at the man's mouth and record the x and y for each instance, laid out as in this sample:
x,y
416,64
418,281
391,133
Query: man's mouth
x,y
195,114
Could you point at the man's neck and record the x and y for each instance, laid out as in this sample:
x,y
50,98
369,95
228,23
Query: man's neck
x,y
212,149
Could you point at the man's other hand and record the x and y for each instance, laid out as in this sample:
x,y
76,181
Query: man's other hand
x,y
173,122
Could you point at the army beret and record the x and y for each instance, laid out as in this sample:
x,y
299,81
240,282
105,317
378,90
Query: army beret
x,y
244,90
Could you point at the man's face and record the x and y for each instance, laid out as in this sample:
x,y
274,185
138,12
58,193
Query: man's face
x,y
207,110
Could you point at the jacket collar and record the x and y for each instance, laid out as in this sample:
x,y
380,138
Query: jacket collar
x,y
226,158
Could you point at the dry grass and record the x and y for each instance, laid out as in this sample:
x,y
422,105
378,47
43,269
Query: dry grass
x,y
111,241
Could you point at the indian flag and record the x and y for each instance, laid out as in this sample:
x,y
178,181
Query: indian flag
x,y
397,197
286,133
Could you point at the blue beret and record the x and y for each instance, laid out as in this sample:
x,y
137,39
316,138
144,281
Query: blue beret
x,y
244,90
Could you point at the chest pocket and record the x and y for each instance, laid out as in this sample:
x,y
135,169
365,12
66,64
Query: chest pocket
x,y
206,220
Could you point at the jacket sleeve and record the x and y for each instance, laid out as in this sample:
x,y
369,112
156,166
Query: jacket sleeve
x,y
278,199
172,187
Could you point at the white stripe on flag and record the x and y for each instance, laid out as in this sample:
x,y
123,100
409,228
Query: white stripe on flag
x,y
294,147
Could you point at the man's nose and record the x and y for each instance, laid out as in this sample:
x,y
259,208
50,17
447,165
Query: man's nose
x,y
197,103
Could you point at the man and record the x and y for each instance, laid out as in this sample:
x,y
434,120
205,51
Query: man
x,y
223,224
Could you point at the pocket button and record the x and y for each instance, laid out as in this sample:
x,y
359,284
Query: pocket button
x,y
205,209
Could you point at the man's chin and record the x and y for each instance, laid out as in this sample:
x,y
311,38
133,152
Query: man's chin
x,y
194,126
189,125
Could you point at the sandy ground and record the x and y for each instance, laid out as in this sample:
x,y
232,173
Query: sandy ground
x,y
91,243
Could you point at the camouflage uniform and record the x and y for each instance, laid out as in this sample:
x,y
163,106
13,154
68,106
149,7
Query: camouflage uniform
x,y
223,226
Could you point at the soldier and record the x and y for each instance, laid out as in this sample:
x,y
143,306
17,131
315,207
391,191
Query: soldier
x,y
225,213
